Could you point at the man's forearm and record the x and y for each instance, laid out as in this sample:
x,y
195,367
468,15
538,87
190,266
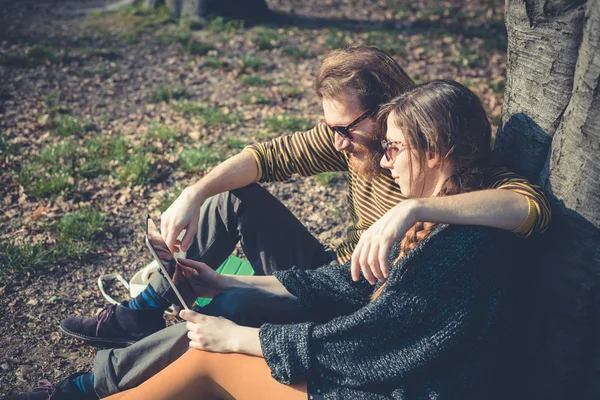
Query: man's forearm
x,y
496,208
268,284
234,173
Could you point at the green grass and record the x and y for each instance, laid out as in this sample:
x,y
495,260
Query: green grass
x,y
6,147
327,178
137,169
84,225
235,143
40,184
284,123
496,119
172,195
167,93
197,48
210,115
294,52
336,39
466,58
220,24
160,131
39,54
131,22
254,98
387,42
19,257
66,126
253,62
198,159
293,92
213,62
255,80
266,38
498,87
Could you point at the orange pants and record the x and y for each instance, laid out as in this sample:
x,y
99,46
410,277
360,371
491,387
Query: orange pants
x,y
204,375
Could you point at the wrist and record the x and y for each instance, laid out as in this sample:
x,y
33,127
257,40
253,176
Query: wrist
x,y
415,210
196,191
246,341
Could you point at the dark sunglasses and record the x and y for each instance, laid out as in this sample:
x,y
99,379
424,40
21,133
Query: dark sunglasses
x,y
345,130
390,149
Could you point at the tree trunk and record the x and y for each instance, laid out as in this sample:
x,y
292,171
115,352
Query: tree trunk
x,y
550,132
198,10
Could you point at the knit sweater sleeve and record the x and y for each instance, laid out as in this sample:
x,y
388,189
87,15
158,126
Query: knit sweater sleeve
x,y
305,153
426,309
330,287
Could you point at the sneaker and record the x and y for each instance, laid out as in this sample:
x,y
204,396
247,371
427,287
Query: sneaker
x,y
115,326
45,390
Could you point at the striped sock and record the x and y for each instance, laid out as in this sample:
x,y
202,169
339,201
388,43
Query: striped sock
x,y
84,384
148,299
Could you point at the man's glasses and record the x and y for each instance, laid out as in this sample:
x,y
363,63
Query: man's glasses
x,y
345,130
391,149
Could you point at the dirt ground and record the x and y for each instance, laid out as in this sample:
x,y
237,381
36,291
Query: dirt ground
x,y
164,89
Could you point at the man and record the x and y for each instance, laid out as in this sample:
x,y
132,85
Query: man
x,y
227,206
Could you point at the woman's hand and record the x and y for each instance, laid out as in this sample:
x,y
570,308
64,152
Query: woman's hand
x,y
220,335
372,251
183,214
204,280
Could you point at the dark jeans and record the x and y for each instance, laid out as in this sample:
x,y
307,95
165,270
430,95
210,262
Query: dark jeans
x,y
271,236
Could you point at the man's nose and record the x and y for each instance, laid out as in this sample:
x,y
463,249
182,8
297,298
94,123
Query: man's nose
x,y
341,143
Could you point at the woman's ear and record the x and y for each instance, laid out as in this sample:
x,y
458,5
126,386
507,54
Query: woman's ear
x,y
433,159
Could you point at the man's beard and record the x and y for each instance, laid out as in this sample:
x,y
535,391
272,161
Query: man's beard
x,y
367,167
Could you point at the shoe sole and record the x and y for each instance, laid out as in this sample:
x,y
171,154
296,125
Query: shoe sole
x,y
96,340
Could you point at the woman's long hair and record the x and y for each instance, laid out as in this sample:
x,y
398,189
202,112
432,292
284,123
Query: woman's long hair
x,y
445,118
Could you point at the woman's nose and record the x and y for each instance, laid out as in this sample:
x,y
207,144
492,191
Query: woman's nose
x,y
384,163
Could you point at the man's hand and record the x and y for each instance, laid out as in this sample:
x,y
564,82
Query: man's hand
x,y
204,280
372,251
220,335
183,214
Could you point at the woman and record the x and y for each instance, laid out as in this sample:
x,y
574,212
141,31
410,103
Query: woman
x,y
430,331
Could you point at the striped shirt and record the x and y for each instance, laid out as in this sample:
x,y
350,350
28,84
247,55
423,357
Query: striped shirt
x,y
312,152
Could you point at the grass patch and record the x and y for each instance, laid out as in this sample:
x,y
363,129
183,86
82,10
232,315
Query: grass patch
x,y
498,87
213,62
235,143
287,123
391,44
197,48
220,24
255,80
39,54
170,197
167,93
267,38
253,62
6,147
293,92
496,119
19,257
327,178
137,169
198,159
84,225
254,98
294,52
160,131
336,39
44,184
466,58
209,114
66,126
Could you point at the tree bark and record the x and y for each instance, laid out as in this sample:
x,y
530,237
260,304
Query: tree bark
x,y
550,132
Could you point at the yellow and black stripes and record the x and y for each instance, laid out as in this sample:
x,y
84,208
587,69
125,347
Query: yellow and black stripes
x,y
309,153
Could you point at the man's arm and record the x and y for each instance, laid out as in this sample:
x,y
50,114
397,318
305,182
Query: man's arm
x,y
236,172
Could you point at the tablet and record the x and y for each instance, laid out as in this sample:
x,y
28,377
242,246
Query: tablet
x,y
169,268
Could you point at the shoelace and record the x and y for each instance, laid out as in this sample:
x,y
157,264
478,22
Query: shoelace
x,y
45,384
104,316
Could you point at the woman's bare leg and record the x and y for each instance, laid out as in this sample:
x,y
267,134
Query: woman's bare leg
x,y
203,375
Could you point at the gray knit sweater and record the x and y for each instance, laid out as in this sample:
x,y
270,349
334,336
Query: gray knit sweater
x,y
431,334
